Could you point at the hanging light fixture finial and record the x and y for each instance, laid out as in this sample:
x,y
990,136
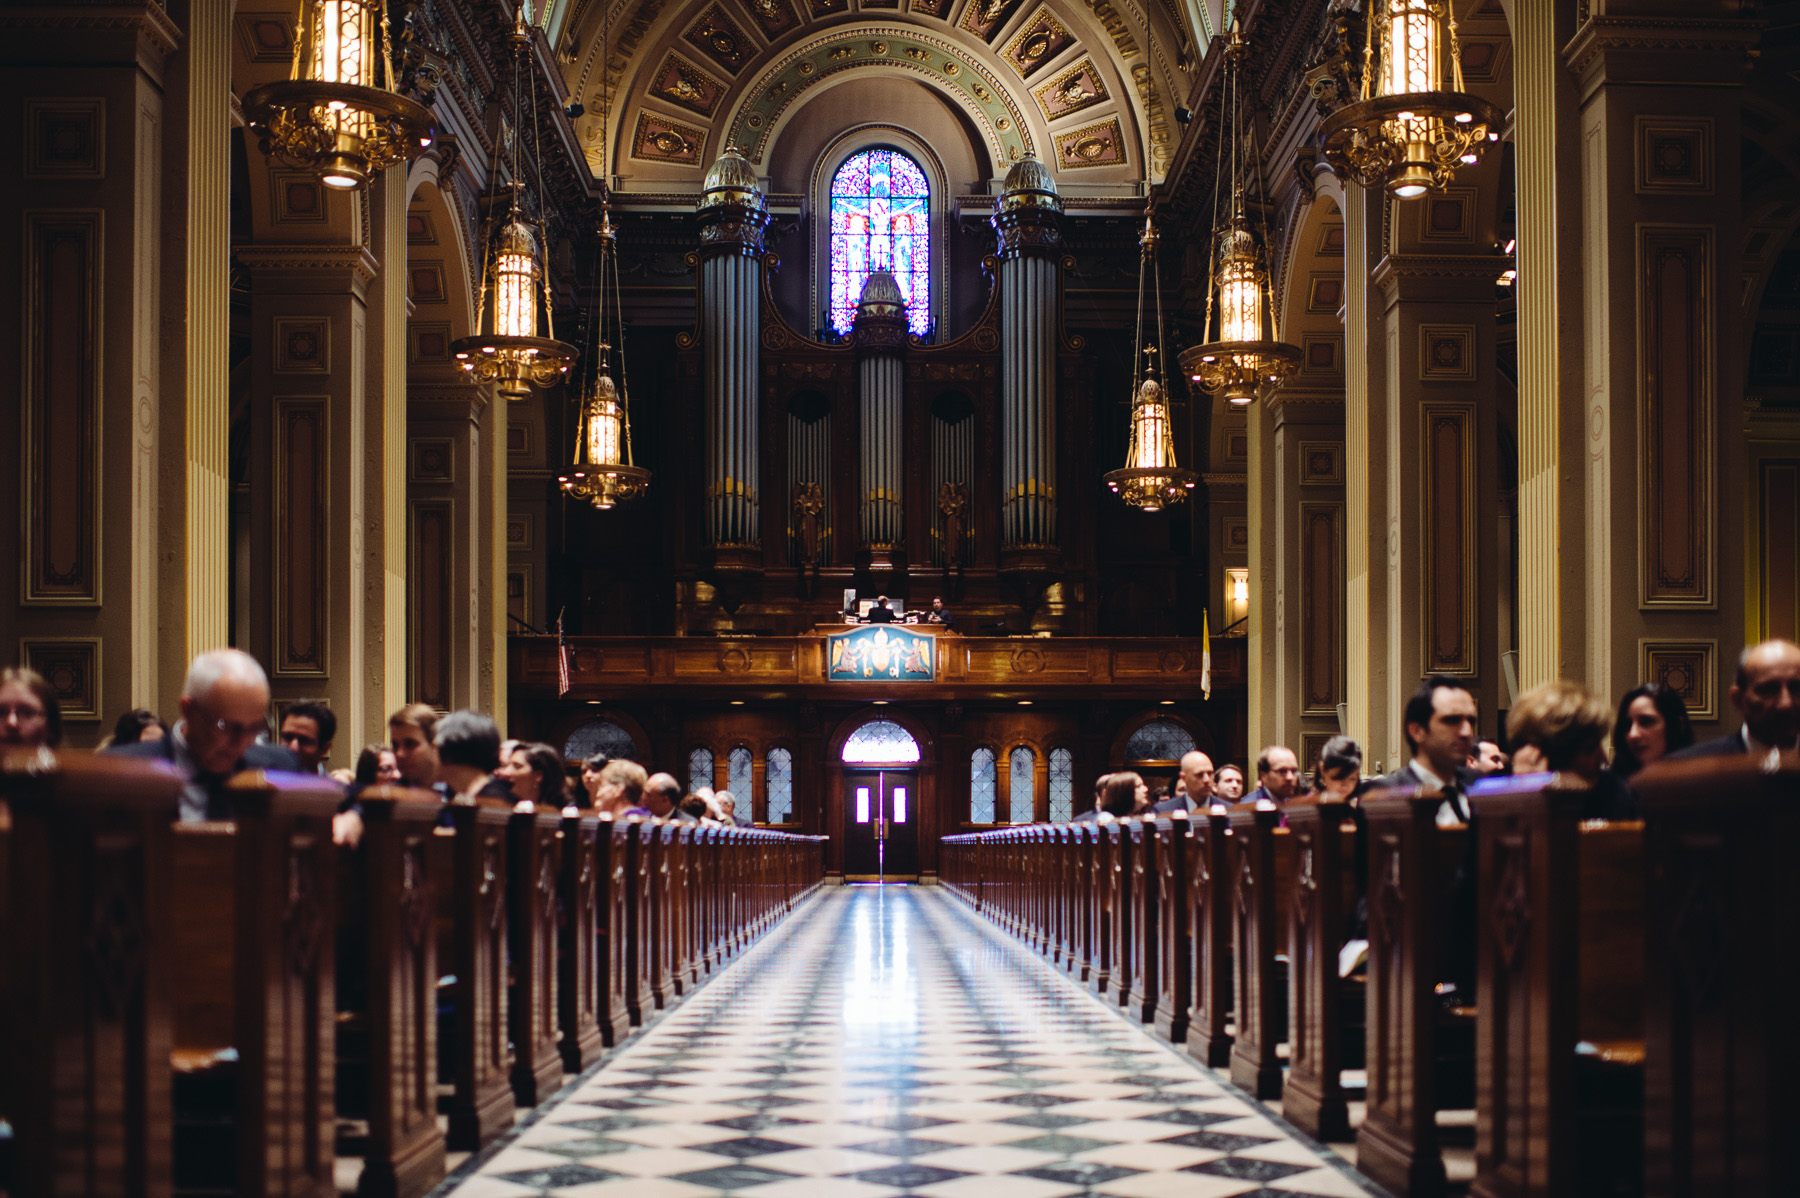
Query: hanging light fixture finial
x,y
1151,478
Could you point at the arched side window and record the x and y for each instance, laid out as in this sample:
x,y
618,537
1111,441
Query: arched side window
x,y
1022,785
600,736
984,779
780,767
880,220
1062,786
1159,740
700,769
738,777
881,742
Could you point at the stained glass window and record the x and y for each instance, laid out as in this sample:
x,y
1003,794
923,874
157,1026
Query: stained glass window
x,y
881,742
1062,786
600,736
738,777
1022,785
880,220
700,769
1159,740
982,782
780,782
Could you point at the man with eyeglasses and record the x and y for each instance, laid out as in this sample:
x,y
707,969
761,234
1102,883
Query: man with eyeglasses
x,y
1767,695
224,708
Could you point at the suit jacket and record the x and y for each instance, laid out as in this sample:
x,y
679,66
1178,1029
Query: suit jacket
x,y
1086,817
205,796
880,615
1730,745
1177,803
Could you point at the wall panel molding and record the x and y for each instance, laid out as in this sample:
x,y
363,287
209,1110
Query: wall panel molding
x,y
71,665
1449,541
59,434
1686,667
1778,547
1677,490
1321,607
302,508
430,593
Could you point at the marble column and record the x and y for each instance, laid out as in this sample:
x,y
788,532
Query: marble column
x,y
880,345
1634,469
1027,221
732,215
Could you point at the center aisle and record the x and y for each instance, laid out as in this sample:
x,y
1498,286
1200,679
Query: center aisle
x,y
884,1042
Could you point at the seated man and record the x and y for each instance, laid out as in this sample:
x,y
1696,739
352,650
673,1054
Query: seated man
x,y
307,730
1439,724
224,706
468,753
881,613
940,614
662,795
1488,759
618,789
1194,783
1767,694
1277,775
1229,783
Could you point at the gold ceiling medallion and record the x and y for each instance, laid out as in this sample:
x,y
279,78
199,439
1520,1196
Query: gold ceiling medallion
x,y
1244,350
511,355
1413,124
337,114
1151,479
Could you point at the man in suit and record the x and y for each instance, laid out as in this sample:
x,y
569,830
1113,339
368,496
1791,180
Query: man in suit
x,y
1196,780
1440,730
307,730
881,613
1228,783
1767,695
224,708
1277,775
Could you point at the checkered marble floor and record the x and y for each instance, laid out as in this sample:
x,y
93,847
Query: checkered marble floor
x,y
887,1042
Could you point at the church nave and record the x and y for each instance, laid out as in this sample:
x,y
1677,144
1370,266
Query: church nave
x,y
885,1041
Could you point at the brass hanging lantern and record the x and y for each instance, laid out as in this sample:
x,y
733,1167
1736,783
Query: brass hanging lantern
x,y
338,114
512,355
1151,479
603,472
1413,124
1244,350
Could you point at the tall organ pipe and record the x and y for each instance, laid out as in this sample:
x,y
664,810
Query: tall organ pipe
x,y
733,214
1028,222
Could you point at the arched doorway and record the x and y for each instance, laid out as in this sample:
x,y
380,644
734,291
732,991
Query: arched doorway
x,y
881,803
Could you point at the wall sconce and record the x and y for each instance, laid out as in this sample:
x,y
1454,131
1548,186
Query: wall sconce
x,y
1237,595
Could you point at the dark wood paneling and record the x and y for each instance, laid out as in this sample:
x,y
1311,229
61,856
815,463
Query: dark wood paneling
x,y
1321,599
429,593
1780,495
302,450
1675,359
1449,499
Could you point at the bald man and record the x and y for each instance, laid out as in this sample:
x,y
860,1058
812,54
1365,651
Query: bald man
x,y
1767,695
1196,780
224,708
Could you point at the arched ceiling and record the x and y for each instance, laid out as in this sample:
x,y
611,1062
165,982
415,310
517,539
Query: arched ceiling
x,y
1089,86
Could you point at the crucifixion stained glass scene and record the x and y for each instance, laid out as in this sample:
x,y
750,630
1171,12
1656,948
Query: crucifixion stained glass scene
x,y
880,220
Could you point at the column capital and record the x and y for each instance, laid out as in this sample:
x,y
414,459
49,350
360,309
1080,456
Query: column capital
x,y
1643,51
325,269
1467,278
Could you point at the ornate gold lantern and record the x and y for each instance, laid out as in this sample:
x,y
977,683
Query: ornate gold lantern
x,y
338,114
1151,478
511,354
1244,349
1413,124
603,472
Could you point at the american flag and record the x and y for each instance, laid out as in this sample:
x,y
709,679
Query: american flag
x,y
562,658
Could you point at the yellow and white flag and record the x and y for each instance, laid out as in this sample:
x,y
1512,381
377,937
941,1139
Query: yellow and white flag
x,y
1205,656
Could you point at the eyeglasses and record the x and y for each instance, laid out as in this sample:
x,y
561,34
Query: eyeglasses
x,y
237,731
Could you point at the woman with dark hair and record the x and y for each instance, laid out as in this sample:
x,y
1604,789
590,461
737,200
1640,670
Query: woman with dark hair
x,y
1125,794
376,766
535,773
1653,722
137,725
29,713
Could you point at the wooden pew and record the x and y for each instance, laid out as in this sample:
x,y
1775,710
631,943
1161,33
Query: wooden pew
x,y
85,1016
1560,962
1174,954
1412,874
640,996
1081,898
252,958
580,989
1722,964
617,965
533,864
1323,895
388,925
1262,862
1209,898
473,941
658,836
1146,920
1105,908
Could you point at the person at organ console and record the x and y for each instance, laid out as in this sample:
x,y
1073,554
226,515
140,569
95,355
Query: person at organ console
x,y
881,613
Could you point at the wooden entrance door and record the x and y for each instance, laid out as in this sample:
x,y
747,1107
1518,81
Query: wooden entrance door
x,y
881,825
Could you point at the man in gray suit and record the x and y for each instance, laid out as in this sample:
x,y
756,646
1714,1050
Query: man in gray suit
x,y
1767,695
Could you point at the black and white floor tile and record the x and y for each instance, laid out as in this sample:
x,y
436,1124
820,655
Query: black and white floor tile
x,y
886,1042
